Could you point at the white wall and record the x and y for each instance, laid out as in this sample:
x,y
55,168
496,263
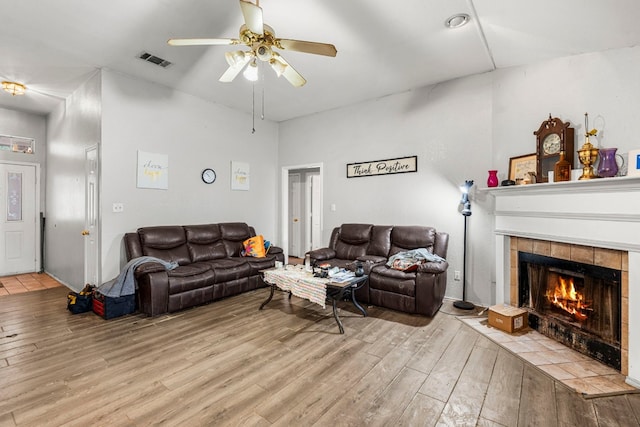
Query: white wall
x,y
28,125
71,128
138,115
459,130
604,84
448,126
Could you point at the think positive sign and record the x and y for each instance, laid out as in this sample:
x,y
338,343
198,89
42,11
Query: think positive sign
x,y
383,167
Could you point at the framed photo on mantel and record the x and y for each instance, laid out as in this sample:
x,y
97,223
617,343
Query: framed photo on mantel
x,y
519,167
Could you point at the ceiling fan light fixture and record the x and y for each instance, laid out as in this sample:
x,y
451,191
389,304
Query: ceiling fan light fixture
x,y
277,66
264,52
456,21
14,88
251,72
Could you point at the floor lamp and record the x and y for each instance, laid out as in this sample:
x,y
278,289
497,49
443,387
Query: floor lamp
x,y
466,213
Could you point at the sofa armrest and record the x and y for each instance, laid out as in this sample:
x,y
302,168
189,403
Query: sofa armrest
x,y
431,283
322,254
372,259
148,267
433,267
153,293
275,250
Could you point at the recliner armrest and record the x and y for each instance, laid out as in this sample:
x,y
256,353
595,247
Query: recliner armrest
x,y
373,259
433,267
322,254
275,250
149,267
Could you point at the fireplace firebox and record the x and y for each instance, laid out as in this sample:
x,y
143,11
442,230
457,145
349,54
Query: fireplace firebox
x,y
576,304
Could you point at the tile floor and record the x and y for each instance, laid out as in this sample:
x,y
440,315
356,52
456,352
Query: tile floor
x,y
577,371
20,283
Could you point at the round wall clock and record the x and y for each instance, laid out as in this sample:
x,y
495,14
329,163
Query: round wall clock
x,y
208,176
552,138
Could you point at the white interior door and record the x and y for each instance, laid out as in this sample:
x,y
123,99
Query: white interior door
x,y
287,200
18,219
90,232
295,222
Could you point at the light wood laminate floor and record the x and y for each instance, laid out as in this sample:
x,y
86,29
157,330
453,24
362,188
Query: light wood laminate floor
x,y
227,363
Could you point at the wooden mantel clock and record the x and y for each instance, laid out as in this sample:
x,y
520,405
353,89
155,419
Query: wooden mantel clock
x,y
552,137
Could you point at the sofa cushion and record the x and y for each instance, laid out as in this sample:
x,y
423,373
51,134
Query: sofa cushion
x,y
380,242
205,242
353,241
165,242
407,237
230,269
197,284
189,270
233,234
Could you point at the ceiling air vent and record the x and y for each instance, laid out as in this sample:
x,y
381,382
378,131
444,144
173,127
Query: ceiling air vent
x,y
146,56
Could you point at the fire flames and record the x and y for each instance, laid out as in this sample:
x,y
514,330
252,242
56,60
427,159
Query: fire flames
x,y
565,297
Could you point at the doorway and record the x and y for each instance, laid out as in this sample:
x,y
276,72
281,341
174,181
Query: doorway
x,y
301,220
19,218
91,219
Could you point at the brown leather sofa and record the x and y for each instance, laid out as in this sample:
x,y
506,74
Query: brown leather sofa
x,y
420,291
210,264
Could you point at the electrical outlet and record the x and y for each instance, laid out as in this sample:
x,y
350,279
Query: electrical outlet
x,y
118,207
456,275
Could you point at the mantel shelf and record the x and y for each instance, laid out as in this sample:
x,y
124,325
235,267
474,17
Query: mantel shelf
x,y
623,183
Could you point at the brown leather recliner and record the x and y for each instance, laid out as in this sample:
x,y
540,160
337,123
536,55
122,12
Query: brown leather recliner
x,y
420,291
211,265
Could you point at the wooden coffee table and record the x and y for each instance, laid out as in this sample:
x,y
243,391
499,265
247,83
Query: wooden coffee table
x,y
304,285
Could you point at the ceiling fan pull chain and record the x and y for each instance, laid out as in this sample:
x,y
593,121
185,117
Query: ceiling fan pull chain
x,y
262,84
253,108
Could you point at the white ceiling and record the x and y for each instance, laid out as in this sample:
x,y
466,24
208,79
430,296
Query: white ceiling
x,y
384,47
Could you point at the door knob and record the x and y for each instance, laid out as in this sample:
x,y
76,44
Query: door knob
x,y
85,232
295,219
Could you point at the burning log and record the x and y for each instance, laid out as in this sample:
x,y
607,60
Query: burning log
x,y
565,297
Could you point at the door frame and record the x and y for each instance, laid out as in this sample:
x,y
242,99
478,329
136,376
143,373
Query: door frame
x,y
36,223
284,197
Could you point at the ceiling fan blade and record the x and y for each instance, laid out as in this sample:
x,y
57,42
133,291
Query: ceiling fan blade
x,y
200,42
282,68
252,17
308,47
235,69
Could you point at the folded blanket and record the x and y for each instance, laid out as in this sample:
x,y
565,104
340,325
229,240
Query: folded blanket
x,y
413,258
124,284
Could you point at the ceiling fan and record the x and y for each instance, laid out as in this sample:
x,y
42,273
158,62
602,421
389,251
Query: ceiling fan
x,y
262,40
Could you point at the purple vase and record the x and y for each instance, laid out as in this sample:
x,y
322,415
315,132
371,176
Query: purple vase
x,y
608,165
492,181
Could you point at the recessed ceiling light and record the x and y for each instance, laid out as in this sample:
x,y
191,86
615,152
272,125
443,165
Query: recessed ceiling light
x,y
457,21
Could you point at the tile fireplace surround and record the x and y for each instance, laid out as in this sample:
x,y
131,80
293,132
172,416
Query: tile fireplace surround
x,y
593,220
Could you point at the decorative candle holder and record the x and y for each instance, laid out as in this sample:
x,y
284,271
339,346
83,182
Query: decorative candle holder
x,y
588,154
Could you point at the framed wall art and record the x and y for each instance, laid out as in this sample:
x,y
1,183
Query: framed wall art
x,y
240,174
383,167
519,167
153,170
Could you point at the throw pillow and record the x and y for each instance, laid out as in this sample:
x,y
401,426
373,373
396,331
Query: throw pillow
x,y
254,246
